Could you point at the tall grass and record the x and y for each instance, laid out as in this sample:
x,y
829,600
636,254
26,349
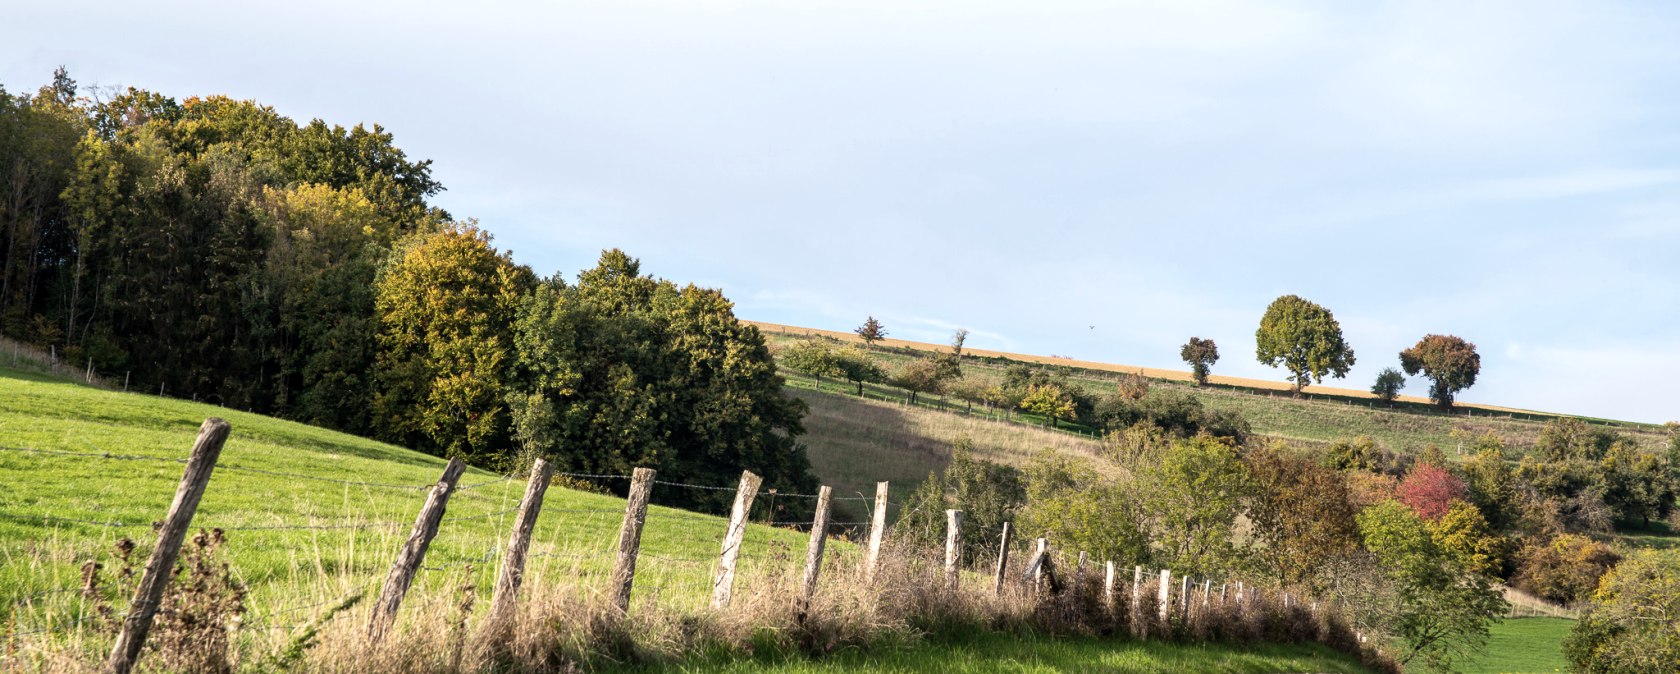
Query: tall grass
x,y
565,622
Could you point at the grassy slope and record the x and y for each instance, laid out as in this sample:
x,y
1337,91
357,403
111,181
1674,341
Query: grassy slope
x,y
853,443
978,654
1525,645
1316,420
283,565
574,538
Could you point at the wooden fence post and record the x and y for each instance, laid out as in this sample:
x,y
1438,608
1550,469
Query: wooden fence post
x,y
413,552
724,585
877,533
1003,560
512,572
814,551
630,536
1166,594
1207,586
161,566
953,544
1137,593
1184,597
1108,585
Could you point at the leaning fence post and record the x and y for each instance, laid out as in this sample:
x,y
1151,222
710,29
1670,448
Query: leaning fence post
x,y
630,536
724,584
1003,561
953,544
413,552
877,532
160,567
1166,593
814,551
512,572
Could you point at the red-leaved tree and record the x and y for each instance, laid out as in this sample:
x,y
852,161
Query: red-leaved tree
x,y
1428,490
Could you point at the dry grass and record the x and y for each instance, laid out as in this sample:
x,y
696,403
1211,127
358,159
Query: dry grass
x,y
853,443
565,622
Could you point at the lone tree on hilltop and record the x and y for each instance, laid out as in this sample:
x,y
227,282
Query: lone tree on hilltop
x,y
1389,383
871,331
1448,361
1303,337
1201,354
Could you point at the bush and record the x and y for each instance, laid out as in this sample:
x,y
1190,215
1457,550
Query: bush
x,y
1564,569
1632,624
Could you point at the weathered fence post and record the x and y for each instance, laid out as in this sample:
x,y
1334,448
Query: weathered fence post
x,y
1184,597
161,566
1108,585
630,536
1166,594
512,572
1040,559
1207,586
724,585
413,552
1003,561
814,551
953,544
1137,593
877,533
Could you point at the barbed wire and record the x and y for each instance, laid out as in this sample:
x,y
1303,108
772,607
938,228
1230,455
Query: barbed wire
x,y
55,518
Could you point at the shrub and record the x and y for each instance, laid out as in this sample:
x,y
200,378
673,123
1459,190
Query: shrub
x,y
1564,569
1429,490
1631,626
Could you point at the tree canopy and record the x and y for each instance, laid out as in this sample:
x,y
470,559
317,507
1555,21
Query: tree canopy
x,y
1449,362
1305,339
1200,354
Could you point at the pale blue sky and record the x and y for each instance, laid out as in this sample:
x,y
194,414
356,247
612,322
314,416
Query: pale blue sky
x,y
1508,172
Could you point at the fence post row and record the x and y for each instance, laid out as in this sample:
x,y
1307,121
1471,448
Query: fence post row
x,y
814,551
953,544
877,532
512,572
413,552
724,585
630,536
1003,561
160,567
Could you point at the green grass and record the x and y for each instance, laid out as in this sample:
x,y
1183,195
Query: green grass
x,y
575,536
978,654
1523,645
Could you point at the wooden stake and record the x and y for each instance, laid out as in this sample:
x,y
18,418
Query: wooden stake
x,y
724,584
513,561
814,551
413,552
1137,592
1166,594
161,566
630,536
1003,561
877,532
1108,585
953,544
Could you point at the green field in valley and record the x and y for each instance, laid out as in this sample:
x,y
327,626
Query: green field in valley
x,y
1523,646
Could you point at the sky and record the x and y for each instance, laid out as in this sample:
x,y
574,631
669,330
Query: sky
x,y
1097,180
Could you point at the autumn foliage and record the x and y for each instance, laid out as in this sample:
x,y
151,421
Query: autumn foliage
x,y
1429,490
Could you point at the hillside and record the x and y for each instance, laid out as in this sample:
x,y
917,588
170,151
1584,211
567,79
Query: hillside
x,y
308,512
1325,415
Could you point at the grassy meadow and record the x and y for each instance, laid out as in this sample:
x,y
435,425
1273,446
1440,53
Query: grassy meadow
x,y
310,514
1523,646
1320,418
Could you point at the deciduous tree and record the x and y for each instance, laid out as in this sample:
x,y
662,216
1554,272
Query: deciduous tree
x,y
1200,354
1450,363
1049,401
871,331
1437,609
1389,383
1305,339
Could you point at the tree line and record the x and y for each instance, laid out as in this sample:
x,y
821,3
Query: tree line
x,y
213,248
